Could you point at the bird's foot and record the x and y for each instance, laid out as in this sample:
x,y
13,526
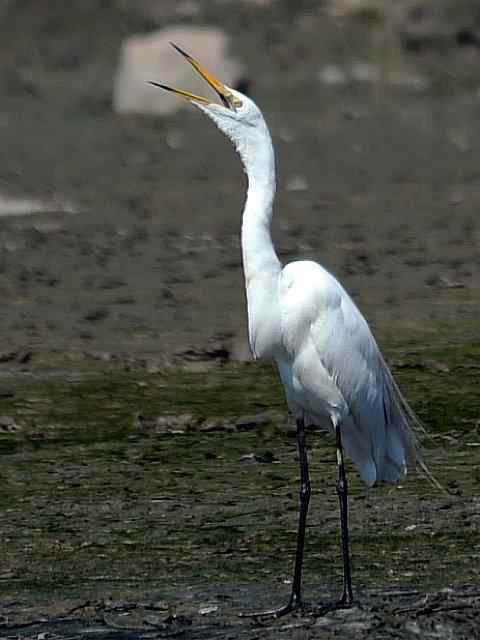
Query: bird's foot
x,y
294,604
345,602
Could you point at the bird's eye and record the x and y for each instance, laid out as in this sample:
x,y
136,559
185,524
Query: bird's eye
x,y
230,101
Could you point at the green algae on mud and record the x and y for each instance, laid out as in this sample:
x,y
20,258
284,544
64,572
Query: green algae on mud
x,y
99,498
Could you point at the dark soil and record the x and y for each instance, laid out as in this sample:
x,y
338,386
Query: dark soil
x,y
148,480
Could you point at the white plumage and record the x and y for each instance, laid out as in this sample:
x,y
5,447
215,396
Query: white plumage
x,y
330,365
333,371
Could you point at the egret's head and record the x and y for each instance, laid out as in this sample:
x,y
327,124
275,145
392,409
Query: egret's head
x,y
237,116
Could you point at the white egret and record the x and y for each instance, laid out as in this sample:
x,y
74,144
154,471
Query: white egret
x,y
300,316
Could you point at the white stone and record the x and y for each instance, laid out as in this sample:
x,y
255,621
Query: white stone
x,y
332,74
17,206
151,57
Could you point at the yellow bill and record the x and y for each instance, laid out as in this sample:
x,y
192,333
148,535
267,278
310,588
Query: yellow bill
x,y
228,99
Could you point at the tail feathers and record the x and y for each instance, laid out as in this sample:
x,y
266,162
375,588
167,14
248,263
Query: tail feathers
x,y
402,449
385,445
402,425
383,448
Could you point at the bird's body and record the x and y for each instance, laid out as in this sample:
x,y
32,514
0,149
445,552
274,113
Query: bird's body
x,y
300,316
330,365
331,368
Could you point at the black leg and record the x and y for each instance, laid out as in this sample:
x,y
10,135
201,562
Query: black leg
x,y
342,491
305,492
346,598
295,601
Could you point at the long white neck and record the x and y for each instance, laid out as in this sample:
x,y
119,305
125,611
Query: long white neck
x,y
259,257
261,265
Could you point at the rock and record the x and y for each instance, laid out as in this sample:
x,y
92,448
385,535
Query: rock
x,y
246,423
21,206
20,357
215,350
174,423
266,457
151,57
448,283
217,424
205,610
437,365
8,425
332,74
49,227
8,355
101,356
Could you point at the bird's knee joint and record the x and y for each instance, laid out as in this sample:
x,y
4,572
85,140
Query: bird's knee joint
x,y
305,491
342,486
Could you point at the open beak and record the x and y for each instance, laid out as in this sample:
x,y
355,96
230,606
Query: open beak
x,y
228,99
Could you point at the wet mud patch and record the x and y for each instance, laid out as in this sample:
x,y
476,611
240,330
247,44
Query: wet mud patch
x,y
377,614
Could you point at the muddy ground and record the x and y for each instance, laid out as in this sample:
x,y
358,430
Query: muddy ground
x,y
149,477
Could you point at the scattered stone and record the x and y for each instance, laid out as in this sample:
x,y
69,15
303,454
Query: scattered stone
x,y
249,458
217,424
154,366
447,283
175,139
204,611
180,423
151,57
17,206
332,74
215,349
20,357
49,227
102,356
246,423
412,626
437,365
183,422
8,425
266,457
456,198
